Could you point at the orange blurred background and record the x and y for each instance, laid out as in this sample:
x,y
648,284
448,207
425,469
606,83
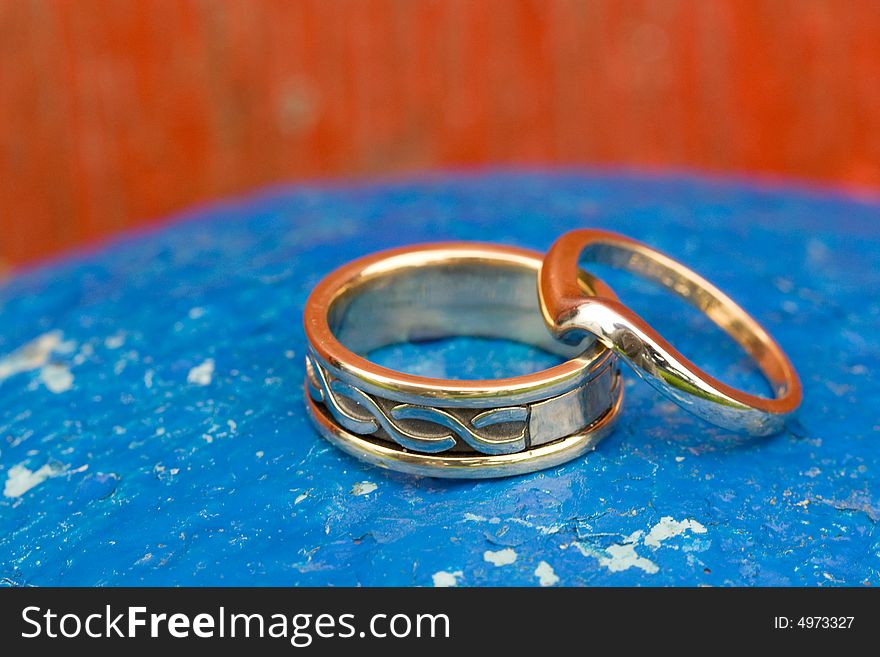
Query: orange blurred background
x,y
115,113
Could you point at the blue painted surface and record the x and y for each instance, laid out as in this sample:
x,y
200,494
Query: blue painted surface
x,y
137,475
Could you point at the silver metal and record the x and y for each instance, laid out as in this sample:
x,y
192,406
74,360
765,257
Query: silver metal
x,y
424,425
466,465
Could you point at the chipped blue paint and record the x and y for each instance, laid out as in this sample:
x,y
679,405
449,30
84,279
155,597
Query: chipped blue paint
x,y
152,468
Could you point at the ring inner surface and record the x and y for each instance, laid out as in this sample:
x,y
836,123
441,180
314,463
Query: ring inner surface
x,y
464,297
689,287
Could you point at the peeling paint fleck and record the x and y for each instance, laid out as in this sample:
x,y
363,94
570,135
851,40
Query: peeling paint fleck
x,y
669,527
443,579
363,488
114,341
57,378
541,529
20,479
857,502
619,556
623,557
201,375
30,356
545,574
35,355
503,557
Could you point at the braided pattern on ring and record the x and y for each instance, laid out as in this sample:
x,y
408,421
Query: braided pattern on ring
x,y
362,414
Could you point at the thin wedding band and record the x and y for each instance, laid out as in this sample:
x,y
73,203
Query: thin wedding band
x,y
445,427
569,313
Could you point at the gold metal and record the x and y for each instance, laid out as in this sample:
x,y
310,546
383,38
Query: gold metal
x,y
446,427
570,313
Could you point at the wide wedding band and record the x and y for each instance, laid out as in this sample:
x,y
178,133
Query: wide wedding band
x,y
570,313
446,427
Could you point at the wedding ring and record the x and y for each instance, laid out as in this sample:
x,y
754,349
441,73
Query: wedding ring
x,y
570,313
446,427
